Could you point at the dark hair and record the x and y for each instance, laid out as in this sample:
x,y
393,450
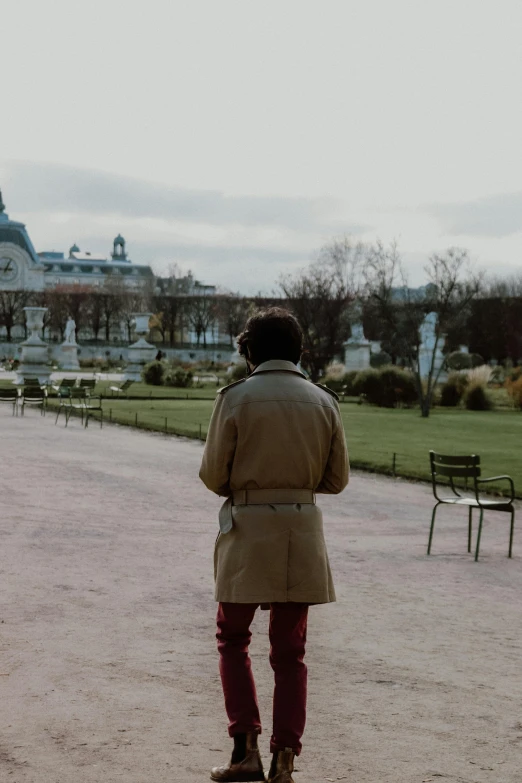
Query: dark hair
x,y
273,333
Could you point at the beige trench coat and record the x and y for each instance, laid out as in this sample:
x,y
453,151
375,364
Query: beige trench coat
x,y
274,431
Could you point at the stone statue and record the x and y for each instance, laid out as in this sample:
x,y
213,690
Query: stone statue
x,y
70,331
428,331
357,334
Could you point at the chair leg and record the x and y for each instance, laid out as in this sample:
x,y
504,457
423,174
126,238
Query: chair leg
x,y
479,534
101,418
470,527
511,533
432,526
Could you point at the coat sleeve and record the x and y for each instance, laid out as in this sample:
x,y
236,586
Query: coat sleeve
x,y
336,474
219,449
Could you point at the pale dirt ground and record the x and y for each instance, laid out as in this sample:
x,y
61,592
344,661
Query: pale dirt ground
x,y
107,654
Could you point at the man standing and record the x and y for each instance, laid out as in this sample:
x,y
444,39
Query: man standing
x,y
274,441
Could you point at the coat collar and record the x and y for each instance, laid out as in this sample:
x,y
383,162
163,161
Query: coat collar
x,y
278,365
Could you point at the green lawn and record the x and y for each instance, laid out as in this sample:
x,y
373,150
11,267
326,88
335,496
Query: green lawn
x,y
374,434
143,391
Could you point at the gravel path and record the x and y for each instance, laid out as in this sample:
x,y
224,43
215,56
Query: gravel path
x,y
108,668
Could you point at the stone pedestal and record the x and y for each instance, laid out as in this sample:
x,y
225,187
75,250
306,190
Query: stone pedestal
x,y
34,361
68,356
357,355
141,352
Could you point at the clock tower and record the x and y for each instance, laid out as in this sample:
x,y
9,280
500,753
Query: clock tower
x,y
20,267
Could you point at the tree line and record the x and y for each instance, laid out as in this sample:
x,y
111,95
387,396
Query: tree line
x,y
347,282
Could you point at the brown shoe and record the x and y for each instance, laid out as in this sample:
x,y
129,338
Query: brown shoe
x,y
245,764
282,767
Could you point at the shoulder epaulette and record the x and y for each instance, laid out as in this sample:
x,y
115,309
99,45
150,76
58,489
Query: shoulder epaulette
x,y
326,389
224,389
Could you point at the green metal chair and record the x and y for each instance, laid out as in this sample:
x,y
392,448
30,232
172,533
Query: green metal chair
x,y
88,384
468,468
123,389
63,389
11,397
93,403
33,395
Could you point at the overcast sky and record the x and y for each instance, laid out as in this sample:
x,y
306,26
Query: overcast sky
x,y
235,137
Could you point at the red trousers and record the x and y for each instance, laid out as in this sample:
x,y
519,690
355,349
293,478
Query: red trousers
x,y
287,634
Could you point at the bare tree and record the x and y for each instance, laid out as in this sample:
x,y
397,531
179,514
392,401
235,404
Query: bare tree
x,y
232,312
12,304
320,296
167,309
201,315
400,310
110,296
94,312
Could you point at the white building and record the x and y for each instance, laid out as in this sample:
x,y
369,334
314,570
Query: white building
x,y
22,268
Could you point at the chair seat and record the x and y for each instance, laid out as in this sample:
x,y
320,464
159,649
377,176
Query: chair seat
x,y
492,504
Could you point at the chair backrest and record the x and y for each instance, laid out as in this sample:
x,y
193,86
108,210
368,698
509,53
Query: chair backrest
x,y
68,383
87,383
8,395
33,394
31,382
125,385
452,466
78,392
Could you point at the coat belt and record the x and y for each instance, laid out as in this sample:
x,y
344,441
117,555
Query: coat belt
x,y
258,497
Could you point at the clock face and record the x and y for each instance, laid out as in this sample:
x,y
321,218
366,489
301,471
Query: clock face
x,y
8,270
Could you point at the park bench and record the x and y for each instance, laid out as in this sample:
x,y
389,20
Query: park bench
x,y
468,468
123,389
33,395
10,397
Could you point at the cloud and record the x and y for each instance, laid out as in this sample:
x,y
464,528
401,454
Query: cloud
x,y
53,188
492,216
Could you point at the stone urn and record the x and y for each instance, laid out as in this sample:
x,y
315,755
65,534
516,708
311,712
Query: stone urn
x,y
34,361
141,352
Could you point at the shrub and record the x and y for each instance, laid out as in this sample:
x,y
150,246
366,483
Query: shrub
x,y
477,398
514,373
514,389
343,384
397,387
479,376
458,360
348,383
380,359
237,372
367,383
387,387
334,371
153,373
453,390
476,360
179,378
